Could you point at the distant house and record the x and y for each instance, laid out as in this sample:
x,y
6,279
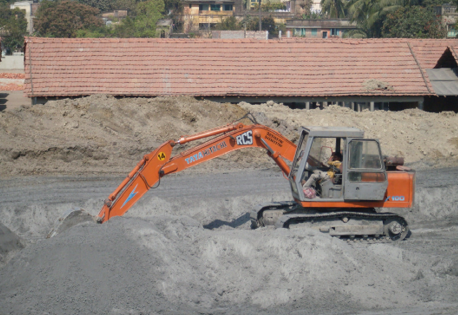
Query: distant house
x,y
323,28
263,35
449,16
113,17
164,28
205,15
120,14
30,7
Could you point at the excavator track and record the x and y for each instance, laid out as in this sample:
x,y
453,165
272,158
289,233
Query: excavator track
x,y
269,213
353,226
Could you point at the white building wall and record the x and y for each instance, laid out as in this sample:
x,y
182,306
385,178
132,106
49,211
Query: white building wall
x,y
316,6
27,7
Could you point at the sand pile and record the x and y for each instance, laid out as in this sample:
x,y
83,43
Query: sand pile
x,y
104,135
189,249
171,264
424,139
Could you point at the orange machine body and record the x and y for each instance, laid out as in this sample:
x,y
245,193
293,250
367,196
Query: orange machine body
x,y
399,194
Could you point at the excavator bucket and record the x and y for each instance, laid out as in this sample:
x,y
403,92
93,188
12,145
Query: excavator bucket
x,y
70,218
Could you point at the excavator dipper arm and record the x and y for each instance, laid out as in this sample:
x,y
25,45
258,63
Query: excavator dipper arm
x,y
159,163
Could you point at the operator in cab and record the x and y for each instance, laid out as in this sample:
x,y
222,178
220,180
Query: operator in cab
x,y
335,163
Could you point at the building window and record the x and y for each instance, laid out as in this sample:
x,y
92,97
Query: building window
x,y
314,31
203,7
216,7
303,32
335,31
227,7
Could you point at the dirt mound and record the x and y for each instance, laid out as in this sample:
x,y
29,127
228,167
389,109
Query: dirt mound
x,y
424,139
102,134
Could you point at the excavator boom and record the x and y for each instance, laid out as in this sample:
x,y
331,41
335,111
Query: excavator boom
x,y
160,162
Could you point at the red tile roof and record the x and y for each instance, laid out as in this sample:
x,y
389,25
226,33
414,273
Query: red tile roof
x,y
204,67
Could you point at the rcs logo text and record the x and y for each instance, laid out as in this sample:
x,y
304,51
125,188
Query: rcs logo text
x,y
245,138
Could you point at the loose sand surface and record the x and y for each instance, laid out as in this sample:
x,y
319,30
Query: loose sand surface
x,y
187,246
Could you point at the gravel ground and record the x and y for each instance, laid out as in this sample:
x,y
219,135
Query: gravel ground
x,y
186,248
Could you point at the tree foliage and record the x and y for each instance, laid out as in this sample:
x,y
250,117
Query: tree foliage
x,y
267,24
268,6
148,13
371,16
413,22
102,5
173,6
142,25
333,8
229,24
64,18
129,5
13,26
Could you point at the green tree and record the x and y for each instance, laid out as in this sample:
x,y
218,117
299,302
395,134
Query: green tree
x,y
269,6
102,5
370,14
173,6
413,22
229,24
333,8
13,26
267,24
129,5
148,13
144,24
64,18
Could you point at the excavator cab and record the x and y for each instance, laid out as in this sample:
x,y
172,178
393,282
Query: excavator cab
x,y
361,176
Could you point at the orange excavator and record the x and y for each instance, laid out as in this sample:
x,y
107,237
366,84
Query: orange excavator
x,y
344,205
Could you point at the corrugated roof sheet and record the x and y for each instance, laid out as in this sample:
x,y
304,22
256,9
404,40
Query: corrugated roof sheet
x,y
444,81
204,67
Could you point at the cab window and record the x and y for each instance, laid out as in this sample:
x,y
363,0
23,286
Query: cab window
x,y
365,163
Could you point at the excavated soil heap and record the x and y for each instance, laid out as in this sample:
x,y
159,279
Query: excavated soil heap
x,y
102,134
